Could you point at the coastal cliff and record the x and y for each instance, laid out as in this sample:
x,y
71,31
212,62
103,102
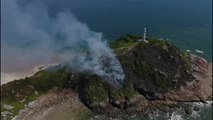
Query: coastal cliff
x,y
156,73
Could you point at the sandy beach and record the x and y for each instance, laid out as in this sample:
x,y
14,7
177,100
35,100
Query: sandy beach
x,y
8,77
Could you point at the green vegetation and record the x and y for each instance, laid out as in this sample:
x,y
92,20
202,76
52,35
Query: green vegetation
x,y
162,43
116,95
121,94
185,57
124,43
95,91
140,67
20,92
92,89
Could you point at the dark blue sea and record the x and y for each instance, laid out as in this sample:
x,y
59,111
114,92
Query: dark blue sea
x,y
186,23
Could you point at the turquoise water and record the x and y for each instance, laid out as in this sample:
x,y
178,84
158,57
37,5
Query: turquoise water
x,y
187,23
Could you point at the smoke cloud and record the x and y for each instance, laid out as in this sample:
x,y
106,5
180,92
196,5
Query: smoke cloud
x,y
34,35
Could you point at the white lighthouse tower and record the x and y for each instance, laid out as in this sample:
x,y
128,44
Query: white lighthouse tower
x,y
144,35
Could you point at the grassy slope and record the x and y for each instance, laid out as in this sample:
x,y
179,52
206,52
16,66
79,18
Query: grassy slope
x,y
124,43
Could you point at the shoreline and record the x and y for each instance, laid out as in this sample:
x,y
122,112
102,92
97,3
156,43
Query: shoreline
x,y
9,77
64,100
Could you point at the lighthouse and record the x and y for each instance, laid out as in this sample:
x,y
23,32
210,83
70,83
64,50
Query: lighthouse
x,y
144,35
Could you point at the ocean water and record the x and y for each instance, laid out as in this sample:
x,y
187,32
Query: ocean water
x,y
186,23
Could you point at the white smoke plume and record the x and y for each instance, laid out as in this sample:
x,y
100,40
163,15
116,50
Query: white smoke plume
x,y
32,35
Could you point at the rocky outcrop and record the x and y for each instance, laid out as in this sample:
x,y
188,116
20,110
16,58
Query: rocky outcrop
x,y
200,89
156,73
